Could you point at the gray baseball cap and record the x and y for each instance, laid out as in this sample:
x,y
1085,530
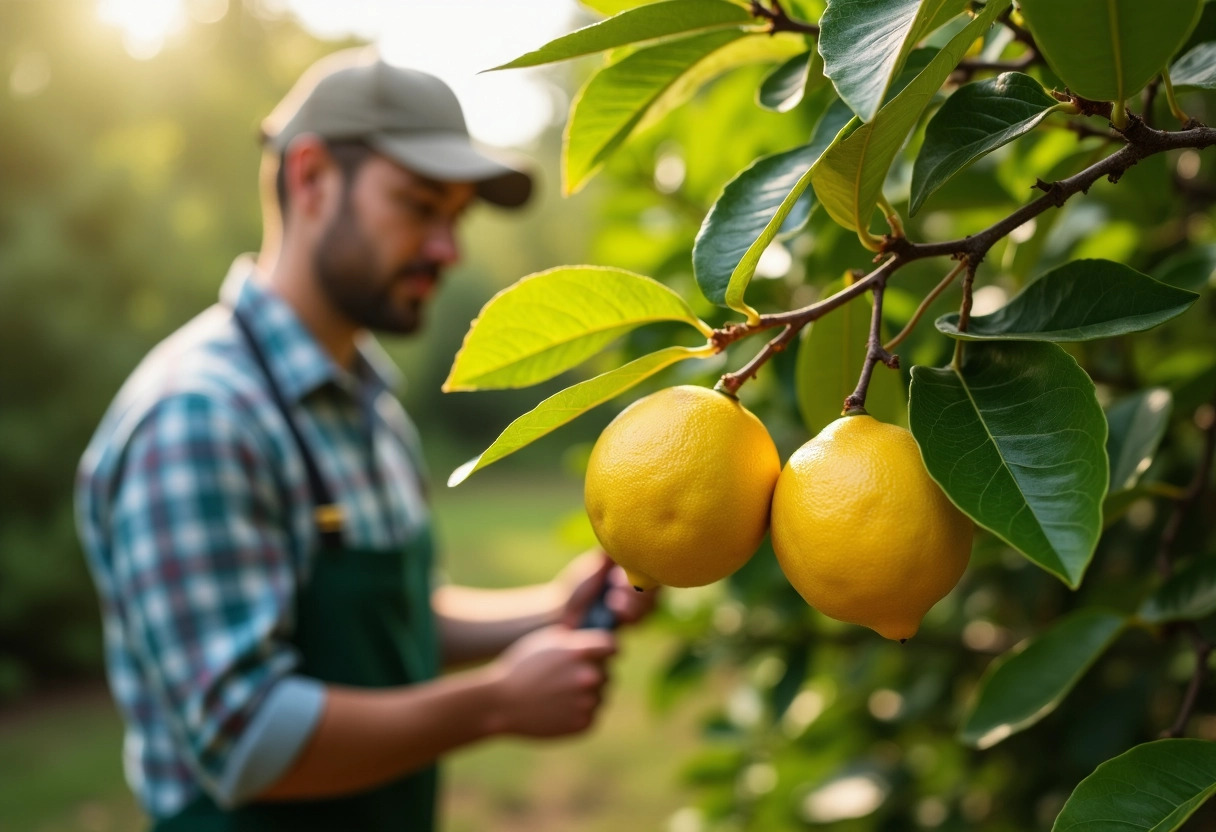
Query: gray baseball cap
x,y
409,116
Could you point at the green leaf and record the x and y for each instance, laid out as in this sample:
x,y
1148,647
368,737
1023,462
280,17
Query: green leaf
x,y
1022,687
1080,301
974,121
1196,69
1188,595
754,207
849,180
571,403
550,321
1192,269
830,355
645,85
864,44
1137,425
1017,440
1155,786
650,22
1108,50
782,90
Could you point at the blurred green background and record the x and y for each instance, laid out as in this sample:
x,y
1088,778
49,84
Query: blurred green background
x,y
127,185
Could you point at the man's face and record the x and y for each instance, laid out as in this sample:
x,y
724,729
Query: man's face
x,y
381,257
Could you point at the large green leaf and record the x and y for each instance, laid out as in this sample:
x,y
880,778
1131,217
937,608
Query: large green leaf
x,y
1080,301
650,22
1016,438
864,44
974,121
1137,424
1189,594
830,355
1108,50
647,84
754,207
1155,787
782,90
849,180
1023,686
552,320
571,403
1196,69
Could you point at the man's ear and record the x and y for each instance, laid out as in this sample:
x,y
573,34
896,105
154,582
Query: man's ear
x,y
311,177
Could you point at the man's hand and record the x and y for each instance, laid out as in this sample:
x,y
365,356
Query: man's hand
x,y
551,682
580,583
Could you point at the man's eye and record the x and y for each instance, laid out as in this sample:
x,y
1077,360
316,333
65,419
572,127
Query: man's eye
x,y
419,208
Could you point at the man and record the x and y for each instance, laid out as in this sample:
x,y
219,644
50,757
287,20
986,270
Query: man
x,y
254,519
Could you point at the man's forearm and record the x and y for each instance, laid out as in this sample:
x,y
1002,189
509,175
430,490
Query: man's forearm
x,y
476,624
368,737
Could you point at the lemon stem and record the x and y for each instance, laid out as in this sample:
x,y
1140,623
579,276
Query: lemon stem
x,y
964,315
875,352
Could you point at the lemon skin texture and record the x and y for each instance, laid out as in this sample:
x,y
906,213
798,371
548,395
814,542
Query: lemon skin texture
x,y
679,487
862,531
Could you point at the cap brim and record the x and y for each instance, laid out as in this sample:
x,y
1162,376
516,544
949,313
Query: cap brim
x,y
451,157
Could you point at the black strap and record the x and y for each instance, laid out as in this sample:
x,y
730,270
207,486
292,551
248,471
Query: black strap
x,y
327,514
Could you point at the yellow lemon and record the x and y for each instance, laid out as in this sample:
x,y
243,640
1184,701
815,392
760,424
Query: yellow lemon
x,y
861,530
679,485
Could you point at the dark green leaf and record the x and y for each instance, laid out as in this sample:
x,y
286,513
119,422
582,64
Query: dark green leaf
x,y
797,662
1080,301
1137,425
649,22
1189,594
1196,69
1155,787
830,354
974,121
1022,687
753,208
864,44
1192,269
849,181
782,89
1016,438
1108,50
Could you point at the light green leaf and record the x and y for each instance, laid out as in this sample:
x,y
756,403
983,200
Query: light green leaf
x,y
1155,787
1017,440
974,121
645,85
1023,686
1189,594
782,90
830,354
1137,425
1080,301
646,23
849,179
1108,50
864,44
754,207
550,321
1196,69
571,403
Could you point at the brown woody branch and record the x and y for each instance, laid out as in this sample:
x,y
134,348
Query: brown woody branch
x,y
875,352
779,21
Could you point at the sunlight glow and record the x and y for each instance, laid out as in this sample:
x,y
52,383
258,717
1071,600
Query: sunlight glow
x,y
145,24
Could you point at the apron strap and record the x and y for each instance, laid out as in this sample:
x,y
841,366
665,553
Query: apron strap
x,y
327,514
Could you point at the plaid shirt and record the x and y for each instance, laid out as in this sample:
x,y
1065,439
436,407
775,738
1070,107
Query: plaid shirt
x,y
195,514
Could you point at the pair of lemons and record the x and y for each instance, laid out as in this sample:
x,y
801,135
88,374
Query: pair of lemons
x,y
682,486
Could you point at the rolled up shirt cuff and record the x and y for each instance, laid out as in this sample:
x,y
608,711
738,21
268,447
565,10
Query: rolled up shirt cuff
x,y
276,735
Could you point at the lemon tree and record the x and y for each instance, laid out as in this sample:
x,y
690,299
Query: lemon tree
x,y
977,242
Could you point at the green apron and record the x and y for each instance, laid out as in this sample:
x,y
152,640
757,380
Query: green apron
x,y
363,619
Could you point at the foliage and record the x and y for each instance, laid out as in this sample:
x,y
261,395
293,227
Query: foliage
x,y
1067,406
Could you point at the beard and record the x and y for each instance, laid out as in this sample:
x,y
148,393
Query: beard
x,y
359,287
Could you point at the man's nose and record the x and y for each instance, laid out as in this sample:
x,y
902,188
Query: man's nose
x,y
441,244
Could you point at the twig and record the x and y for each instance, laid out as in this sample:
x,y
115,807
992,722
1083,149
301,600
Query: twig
x,y
924,305
731,382
966,70
875,352
779,21
1202,651
1019,33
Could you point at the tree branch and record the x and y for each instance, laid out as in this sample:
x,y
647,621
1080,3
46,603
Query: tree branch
x,y
875,352
924,305
779,21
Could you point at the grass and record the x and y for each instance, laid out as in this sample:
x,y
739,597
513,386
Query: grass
x,y
60,768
